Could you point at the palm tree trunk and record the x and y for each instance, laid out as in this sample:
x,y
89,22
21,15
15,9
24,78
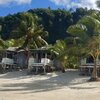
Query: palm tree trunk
x,y
25,43
94,72
62,68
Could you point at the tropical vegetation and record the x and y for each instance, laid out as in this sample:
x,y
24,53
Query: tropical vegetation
x,y
72,34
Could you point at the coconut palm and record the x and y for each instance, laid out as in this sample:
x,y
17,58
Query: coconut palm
x,y
37,38
93,45
88,30
27,28
59,49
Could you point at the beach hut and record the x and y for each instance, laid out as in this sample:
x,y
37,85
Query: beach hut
x,y
40,60
7,61
87,64
19,57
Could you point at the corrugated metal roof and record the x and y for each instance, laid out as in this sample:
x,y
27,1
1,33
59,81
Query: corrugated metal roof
x,y
12,48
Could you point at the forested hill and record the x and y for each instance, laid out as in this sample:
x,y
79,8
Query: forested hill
x,y
55,22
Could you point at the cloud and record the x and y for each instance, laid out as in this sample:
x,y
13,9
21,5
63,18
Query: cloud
x,y
19,2
90,4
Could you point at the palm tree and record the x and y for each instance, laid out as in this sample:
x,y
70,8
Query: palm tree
x,y
59,49
88,30
93,45
27,28
76,42
37,38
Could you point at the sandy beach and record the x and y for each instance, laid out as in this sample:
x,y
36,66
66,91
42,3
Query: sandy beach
x,y
53,86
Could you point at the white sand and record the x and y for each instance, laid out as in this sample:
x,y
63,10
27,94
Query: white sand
x,y
53,86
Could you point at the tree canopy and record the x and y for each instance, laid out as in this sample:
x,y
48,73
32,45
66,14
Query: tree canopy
x,y
55,22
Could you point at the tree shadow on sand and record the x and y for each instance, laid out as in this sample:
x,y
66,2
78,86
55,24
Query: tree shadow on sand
x,y
15,75
55,82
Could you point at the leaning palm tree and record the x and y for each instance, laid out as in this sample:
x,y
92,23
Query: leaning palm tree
x,y
93,46
27,28
88,30
37,38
